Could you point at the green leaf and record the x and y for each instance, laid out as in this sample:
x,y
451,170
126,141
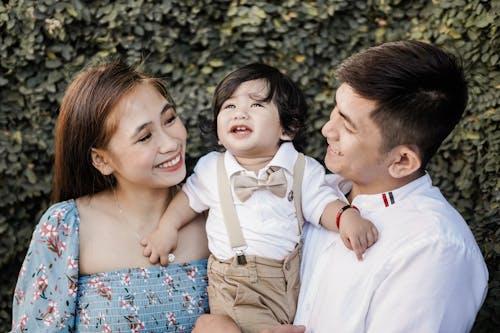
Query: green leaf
x,y
256,11
216,63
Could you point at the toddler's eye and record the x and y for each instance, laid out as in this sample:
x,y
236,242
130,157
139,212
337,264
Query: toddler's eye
x,y
229,106
257,105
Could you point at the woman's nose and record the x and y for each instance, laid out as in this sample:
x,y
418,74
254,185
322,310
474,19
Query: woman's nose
x,y
168,143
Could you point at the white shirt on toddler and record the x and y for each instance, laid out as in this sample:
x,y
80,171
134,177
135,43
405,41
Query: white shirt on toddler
x,y
268,222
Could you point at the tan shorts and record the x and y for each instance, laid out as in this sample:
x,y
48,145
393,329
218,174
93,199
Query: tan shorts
x,y
261,294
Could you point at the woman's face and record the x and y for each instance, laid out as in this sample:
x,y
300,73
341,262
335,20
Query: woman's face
x,y
147,149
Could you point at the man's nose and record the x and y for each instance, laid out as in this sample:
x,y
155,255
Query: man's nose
x,y
329,129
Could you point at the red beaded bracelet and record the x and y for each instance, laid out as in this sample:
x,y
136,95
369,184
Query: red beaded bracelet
x,y
339,214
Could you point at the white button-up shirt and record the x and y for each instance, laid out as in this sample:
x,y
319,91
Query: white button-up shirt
x,y
269,223
424,274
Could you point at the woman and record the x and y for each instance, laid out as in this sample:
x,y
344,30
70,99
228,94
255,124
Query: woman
x,y
118,160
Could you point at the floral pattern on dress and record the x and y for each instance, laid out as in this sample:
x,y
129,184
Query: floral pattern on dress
x,y
51,297
45,294
151,299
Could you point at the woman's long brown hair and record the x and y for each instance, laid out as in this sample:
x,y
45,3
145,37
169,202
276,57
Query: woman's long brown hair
x,y
85,122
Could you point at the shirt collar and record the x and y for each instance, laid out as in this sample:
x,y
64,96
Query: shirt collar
x,y
389,198
285,158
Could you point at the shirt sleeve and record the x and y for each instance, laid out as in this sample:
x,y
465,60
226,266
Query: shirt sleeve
x,y
435,288
316,193
201,186
45,293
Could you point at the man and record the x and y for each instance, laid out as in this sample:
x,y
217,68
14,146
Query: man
x,y
396,103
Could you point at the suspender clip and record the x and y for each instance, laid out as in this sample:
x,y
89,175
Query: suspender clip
x,y
240,257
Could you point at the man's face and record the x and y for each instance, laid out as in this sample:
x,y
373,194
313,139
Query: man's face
x,y
354,142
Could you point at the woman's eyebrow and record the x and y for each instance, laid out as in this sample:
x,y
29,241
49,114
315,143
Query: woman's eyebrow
x,y
165,108
139,128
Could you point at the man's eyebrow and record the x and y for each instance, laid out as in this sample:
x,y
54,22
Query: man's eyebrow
x,y
347,118
343,115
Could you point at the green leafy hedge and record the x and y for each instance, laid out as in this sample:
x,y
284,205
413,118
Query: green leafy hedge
x,y
193,44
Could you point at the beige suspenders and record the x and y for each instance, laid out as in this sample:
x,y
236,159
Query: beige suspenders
x,y
236,240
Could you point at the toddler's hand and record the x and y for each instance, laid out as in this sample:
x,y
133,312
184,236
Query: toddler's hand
x,y
160,243
357,233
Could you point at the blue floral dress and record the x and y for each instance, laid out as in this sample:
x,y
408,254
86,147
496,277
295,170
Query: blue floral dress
x,y
50,296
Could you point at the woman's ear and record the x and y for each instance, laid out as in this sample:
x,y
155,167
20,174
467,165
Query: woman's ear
x,y
405,160
100,161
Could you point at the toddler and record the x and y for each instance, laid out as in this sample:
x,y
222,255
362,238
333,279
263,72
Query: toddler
x,y
257,194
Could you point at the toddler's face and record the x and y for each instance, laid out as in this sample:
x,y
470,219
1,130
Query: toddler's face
x,y
246,125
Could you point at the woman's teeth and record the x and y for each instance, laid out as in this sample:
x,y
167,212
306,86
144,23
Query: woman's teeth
x,y
170,163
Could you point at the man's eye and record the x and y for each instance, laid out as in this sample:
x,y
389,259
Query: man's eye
x,y
348,128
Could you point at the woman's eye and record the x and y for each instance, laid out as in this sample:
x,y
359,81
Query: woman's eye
x,y
170,120
144,138
257,105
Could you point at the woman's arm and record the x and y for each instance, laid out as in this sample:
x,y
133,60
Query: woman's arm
x,y
45,293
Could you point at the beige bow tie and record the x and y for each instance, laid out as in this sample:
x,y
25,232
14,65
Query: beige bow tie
x,y
245,185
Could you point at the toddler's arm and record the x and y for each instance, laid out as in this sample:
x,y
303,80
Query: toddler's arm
x,y
163,240
356,232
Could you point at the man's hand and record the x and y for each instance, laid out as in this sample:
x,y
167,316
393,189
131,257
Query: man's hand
x,y
357,233
160,243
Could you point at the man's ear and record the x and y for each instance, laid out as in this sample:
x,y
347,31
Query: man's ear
x,y
404,161
100,161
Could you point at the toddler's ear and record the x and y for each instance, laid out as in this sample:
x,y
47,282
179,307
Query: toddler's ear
x,y
100,161
285,137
